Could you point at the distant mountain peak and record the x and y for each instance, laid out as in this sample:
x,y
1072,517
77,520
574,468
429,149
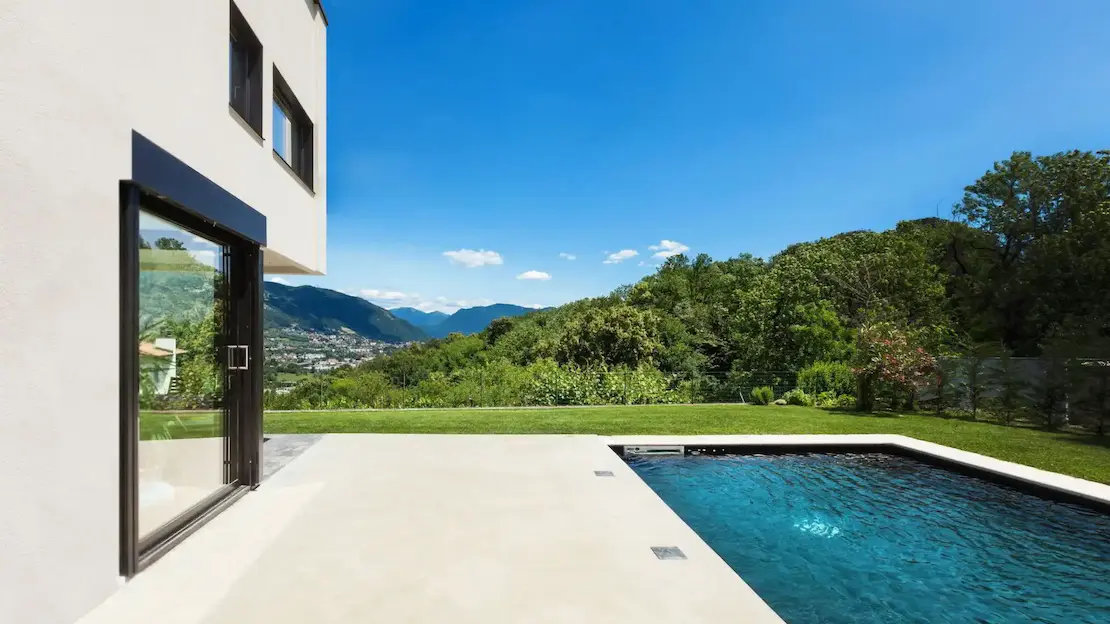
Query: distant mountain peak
x,y
419,318
321,309
476,319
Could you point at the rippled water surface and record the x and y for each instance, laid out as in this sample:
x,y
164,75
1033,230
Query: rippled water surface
x,y
870,538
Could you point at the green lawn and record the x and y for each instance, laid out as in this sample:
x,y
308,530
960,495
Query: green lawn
x,y
178,425
1080,455
1077,454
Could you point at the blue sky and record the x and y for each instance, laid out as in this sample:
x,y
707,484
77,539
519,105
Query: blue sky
x,y
525,129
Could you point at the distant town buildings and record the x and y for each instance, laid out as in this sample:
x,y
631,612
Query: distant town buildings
x,y
296,350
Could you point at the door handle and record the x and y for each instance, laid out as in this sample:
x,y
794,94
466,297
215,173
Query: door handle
x,y
231,357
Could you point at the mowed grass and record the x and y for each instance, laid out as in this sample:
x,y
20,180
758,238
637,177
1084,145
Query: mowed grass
x,y
180,425
1077,454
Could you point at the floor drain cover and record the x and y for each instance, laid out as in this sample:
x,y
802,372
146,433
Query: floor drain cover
x,y
603,473
668,552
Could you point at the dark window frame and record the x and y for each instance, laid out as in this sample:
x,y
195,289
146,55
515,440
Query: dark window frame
x,y
301,133
245,71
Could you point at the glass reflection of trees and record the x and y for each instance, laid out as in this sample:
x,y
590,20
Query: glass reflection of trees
x,y
181,298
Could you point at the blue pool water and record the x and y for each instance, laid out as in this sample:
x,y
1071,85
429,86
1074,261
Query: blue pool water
x,y
870,538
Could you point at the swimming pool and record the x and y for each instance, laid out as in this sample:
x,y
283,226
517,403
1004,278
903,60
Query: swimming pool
x,y
868,538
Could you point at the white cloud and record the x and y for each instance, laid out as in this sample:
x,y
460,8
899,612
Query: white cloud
x,y
390,299
667,248
566,256
278,280
621,256
471,303
470,258
197,240
534,275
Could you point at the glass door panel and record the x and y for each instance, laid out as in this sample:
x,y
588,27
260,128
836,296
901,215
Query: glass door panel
x,y
185,414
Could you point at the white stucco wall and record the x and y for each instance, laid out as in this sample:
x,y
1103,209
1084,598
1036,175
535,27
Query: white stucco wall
x,y
75,78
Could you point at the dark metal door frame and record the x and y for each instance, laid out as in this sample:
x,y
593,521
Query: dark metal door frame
x,y
244,390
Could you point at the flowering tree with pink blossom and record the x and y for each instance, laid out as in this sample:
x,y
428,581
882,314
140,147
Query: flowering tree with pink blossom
x,y
890,358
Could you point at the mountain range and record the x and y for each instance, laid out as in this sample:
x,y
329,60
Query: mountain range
x,y
464,321
420,318
321,309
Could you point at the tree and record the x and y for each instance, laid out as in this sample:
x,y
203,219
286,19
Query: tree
x,y
612,336
890,358
1047,260
169,244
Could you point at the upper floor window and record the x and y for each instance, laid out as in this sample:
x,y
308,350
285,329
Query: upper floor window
x,y
292,131
245,71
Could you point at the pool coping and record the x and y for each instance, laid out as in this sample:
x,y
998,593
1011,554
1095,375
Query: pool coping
x,y
1039,482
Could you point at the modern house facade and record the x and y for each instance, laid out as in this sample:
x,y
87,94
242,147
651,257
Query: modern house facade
x,y
157,157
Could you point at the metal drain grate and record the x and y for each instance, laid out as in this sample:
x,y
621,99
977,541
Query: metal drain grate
x,y
603,473
667,553
655,449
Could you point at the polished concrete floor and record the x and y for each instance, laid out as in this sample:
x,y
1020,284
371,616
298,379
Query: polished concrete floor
x,y
458,529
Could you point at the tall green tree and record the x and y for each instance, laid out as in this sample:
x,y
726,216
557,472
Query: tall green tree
x,y
1047,221
612,336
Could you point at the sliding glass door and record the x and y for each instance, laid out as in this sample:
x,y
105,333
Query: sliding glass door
x,y
186,416
188,408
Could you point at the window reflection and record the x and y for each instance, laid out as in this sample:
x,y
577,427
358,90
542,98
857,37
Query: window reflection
x,y
182,383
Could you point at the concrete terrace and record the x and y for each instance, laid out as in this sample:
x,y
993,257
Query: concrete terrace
x,y
440,528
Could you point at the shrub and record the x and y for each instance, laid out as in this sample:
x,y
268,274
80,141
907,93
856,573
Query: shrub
x,y
763,395
780,401
1051,393
834,400
1009,389
948,385
888,358
797,396
835,377
637,386
551,384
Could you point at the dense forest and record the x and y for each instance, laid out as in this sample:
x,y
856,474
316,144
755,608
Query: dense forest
x,y
868,319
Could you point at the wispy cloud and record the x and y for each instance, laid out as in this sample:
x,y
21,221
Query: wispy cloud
x,y
443,304
620,256
567,256
390,299
387,297
534,275
470,258
667,248
278,280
